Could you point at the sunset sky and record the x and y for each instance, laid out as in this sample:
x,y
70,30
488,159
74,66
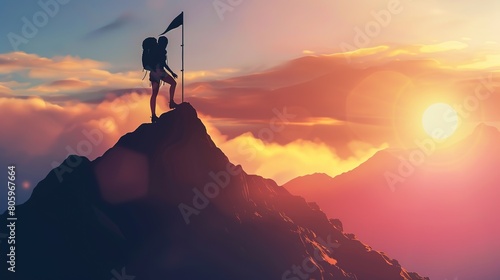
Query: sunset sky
x,y
285,87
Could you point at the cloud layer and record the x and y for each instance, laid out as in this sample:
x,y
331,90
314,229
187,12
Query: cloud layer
x,y
322,113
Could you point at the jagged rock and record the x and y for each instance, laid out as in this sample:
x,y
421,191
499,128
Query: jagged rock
x,y
337,224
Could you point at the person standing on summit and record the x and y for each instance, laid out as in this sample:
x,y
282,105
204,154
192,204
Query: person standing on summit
x,y
155,61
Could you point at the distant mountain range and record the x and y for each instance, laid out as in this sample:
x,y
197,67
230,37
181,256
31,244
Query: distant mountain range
x,y
436,210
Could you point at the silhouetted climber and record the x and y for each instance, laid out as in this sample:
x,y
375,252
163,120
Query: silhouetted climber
x,y
154,59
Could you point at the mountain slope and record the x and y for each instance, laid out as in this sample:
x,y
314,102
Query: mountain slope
x,y
443,208
166,203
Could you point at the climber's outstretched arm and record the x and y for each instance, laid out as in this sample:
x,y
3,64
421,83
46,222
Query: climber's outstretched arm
x,y
170,70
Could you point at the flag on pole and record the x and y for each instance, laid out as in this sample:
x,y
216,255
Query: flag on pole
x,y
178,21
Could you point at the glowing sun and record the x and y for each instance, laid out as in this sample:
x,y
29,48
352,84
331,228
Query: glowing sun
x,y
440,121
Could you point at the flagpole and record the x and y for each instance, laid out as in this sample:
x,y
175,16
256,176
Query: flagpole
x,y
179,20
182,58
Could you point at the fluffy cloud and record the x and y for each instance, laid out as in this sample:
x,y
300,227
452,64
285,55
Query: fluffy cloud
x,y
300,157
283,162
36,75
443,47
208,74
54,127
39,134
20,61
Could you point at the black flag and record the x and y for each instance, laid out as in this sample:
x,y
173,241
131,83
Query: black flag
x,y
175,23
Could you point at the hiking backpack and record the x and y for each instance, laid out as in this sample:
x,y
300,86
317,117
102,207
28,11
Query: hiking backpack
x,y
149,54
